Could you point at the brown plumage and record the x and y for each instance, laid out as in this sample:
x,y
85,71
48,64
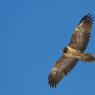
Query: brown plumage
x,y
62,67
81,35
88,58
73,52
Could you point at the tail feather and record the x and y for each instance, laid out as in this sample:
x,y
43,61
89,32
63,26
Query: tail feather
x,y
88,58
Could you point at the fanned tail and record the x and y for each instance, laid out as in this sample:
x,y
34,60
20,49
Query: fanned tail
x,y
88,58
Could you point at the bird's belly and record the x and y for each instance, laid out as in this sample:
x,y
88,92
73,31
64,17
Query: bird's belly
x,y
68,55
73,54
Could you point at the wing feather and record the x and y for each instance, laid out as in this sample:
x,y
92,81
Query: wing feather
x,y
80,37
60,69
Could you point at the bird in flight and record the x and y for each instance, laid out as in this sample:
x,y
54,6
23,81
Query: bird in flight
x,y
74,51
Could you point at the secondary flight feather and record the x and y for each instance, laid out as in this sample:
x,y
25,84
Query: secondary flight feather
x,y
73,52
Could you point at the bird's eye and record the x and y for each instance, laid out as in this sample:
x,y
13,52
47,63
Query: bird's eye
x,y
65,50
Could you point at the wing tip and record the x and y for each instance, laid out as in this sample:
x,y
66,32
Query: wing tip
x,y
89,18
54,78
52,81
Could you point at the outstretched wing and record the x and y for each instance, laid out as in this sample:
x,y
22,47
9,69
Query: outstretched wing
x,y
80,37
60,69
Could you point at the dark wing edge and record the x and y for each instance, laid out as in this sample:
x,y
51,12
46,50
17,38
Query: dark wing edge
x,y
87,19
60,69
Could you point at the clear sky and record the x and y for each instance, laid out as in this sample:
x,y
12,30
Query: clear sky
x,y
32,32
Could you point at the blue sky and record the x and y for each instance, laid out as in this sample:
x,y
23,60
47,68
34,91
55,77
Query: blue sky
x,y
32,33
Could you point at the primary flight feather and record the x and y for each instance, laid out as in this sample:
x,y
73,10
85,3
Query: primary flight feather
x,y
73,52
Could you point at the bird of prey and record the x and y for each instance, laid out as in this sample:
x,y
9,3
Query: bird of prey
x,y
74,51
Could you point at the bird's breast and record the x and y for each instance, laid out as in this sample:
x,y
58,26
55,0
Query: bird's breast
x,y
73,53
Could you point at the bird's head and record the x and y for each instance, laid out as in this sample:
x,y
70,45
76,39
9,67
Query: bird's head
x,y
65,49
